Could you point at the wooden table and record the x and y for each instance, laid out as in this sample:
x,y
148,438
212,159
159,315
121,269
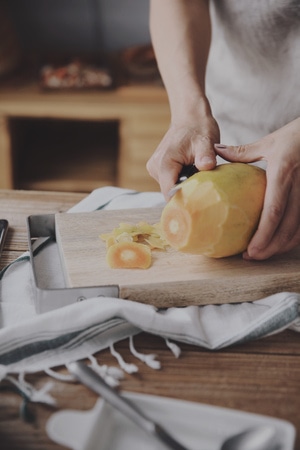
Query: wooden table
x,y
262,377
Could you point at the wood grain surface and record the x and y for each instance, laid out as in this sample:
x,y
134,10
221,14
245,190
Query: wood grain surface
x,y
260,376
174,278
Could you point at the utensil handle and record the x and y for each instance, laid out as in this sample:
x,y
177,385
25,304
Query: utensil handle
x,y
3,232
186,172
95,382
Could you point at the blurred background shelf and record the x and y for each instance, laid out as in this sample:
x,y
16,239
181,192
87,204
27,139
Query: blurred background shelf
x,y
65,154
80,140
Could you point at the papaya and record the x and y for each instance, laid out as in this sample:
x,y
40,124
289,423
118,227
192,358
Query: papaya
x,y
128,255
129,246
216,212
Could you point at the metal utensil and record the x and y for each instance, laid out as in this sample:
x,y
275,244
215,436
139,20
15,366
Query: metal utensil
x,y
255,438
3,233
186,172
95,382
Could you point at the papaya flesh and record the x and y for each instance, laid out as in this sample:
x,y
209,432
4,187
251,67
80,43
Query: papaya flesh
x,y
128,255
216,212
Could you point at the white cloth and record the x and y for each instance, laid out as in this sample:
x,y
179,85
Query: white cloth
x,y
252,77
30,342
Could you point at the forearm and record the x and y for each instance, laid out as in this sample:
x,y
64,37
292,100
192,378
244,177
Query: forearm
x,y
181,33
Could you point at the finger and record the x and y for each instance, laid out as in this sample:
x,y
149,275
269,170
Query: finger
x,y
287,234
205,155
166,174
153,164
241,153
279,219
294,242
169,178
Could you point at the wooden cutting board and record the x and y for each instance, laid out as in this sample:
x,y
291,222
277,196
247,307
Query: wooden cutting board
x,y
174,279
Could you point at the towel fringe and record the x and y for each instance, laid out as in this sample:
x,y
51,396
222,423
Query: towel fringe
x,y
175,349
32,394
149,359
59,376
111,375
129,368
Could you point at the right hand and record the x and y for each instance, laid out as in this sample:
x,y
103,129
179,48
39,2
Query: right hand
x,y
182,145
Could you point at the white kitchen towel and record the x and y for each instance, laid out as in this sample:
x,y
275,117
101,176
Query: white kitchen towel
x,y
30,342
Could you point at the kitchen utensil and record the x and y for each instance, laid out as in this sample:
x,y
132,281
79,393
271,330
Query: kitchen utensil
x,y
54,294
186,172
91,379
197,425
3,233
254,438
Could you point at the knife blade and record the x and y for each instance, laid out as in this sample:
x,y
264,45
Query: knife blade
x,y
96,383
185,173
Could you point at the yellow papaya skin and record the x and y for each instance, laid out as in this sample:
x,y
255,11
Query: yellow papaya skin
x,y
216,212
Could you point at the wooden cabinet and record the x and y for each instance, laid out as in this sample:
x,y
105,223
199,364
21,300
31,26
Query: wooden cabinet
x,y
80,140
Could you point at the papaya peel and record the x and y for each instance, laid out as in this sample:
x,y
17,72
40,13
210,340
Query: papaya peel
x,y
216,212
129,246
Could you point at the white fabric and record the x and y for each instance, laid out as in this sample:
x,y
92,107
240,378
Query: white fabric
x,y
30,342
253,80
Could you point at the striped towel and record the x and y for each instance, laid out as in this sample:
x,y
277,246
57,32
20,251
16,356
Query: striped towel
x,y
30,342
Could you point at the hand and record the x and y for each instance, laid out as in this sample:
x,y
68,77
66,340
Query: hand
x,y
279,227
181,36
183,145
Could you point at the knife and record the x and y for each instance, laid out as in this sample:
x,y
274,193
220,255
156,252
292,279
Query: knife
x,y
3,233
96,383
186,172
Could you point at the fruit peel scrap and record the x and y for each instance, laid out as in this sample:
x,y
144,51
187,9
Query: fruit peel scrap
x,y
123,238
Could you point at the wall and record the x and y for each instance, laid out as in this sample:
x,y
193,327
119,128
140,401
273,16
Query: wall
x,y
80,26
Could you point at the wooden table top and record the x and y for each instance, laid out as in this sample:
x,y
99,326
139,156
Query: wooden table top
x,y
261,377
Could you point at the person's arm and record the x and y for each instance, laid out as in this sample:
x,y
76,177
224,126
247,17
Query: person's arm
x,y
279,227
181,33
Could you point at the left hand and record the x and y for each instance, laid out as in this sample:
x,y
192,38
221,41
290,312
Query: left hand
x,y
279,227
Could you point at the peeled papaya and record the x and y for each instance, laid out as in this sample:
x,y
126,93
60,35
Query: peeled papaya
x,y
128,255
216,212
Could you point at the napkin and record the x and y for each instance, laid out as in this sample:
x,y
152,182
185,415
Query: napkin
x,y
31,343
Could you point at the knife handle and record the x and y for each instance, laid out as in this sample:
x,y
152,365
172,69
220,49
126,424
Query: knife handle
x,y
3,233
186,172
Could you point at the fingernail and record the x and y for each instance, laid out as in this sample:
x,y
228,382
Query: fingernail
x,y
220,146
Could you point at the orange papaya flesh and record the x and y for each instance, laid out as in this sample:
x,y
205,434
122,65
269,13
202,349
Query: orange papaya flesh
x,y
216,212
128,255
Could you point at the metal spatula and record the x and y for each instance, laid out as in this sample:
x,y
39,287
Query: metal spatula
x,y
95,382
255,438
